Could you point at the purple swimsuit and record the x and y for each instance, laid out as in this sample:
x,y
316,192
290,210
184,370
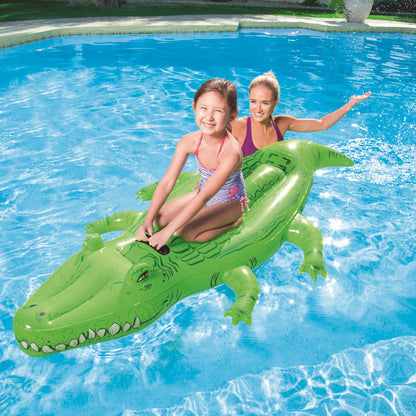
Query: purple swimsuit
x,y
248,147
233,189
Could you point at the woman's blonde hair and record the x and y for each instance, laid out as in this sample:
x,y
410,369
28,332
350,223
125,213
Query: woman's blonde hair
x,y
269,80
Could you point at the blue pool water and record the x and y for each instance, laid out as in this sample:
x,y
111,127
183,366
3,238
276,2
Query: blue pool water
x,y
87,121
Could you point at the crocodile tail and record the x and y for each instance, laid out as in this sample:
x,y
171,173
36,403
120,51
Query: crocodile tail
x,y
147,192
316,155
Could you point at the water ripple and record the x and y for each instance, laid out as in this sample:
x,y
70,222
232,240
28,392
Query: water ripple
x,y
87,121
377,379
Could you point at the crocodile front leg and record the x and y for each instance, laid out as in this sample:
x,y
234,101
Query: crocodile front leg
x,y
304,234
245,285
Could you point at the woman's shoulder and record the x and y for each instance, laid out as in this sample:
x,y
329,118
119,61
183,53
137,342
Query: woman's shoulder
x,y
283,121
282,118
240,121
239,128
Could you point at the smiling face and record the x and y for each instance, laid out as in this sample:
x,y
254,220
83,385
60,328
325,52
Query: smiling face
x,y
212,113
262,102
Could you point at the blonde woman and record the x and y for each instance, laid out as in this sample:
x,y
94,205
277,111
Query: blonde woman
x,y
262,128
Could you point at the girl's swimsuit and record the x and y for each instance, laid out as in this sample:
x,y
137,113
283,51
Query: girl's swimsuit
x,y
233,189
248,147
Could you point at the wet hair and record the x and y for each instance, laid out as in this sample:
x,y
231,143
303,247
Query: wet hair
x,y
223,87
269,80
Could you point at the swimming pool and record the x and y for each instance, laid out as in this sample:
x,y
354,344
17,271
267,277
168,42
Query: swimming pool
x,y
87,121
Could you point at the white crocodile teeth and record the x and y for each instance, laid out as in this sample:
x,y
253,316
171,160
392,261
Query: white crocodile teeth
x,y
136,322
101,332
114,329
73,343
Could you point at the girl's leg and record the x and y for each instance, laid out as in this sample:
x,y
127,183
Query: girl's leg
x,y
172,208
212,221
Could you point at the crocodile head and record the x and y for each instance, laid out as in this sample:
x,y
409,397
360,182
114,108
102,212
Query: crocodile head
x,y
105,291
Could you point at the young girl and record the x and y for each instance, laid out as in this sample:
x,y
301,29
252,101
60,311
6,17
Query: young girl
x,y
262,129
216,206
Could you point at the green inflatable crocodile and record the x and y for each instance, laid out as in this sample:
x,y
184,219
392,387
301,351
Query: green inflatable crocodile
x,y
112,289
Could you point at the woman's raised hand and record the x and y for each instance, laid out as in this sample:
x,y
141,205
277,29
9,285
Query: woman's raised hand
x,y
355,99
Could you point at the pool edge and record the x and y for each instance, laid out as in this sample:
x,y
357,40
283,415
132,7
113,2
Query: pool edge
x,y
21,32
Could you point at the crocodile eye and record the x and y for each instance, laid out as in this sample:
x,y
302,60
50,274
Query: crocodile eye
x,y
139,272
143,276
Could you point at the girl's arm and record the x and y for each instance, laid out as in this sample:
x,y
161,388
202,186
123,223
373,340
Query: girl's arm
x,y
226,165
309,125
164,188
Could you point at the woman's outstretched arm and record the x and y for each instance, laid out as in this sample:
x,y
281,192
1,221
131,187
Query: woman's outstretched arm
x,y
309,125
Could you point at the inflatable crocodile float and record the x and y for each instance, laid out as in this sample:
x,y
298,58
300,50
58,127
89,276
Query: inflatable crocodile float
x,y
115,288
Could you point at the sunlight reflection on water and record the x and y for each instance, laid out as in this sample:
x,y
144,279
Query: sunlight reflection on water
x,y
86,127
